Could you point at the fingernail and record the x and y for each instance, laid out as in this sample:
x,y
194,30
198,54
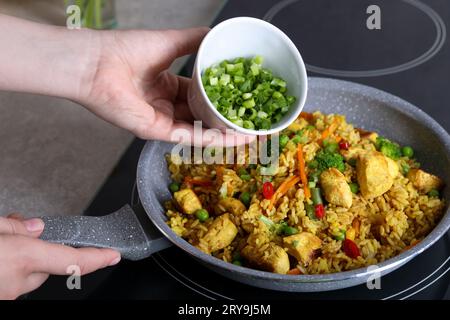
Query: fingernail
x,y
34,225
114,262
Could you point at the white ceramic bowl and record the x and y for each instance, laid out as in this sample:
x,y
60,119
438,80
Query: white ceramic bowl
x,y
248,37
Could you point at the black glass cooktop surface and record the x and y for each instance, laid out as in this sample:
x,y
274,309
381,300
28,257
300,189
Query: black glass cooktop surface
x,y
408,56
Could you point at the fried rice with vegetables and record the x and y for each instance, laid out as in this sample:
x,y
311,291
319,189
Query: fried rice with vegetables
x,y
341,198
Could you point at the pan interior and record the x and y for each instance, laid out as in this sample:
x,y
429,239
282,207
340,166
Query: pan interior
x,y
364,107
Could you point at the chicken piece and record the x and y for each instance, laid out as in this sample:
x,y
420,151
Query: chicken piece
x,y
273,259
220,234
302,246
424,181
335,188
372,172
188,201
231,205
393,168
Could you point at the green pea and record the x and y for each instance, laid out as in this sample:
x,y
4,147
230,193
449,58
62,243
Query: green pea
x,y
202,215
245,198
433,193
284,139
408,152
174,187
354,187
289,231
237,263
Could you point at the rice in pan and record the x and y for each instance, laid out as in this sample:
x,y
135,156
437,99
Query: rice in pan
x,y
340,198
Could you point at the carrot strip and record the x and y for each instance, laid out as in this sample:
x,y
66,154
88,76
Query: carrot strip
x,y
302,171
329,131
294,271
282,189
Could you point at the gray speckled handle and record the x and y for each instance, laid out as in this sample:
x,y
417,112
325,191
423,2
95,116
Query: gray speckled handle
x,y
121,231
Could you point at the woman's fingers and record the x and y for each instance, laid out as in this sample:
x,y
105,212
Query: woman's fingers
x,y
185,41
29,227
183,88
60,260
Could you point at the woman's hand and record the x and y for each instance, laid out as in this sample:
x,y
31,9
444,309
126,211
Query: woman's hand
x,y
132,88
26,261
121,76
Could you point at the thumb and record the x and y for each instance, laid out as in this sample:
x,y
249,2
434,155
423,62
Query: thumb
x,y
13,226
184,41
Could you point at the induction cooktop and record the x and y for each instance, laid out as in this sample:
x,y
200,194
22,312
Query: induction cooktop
x,y
400,46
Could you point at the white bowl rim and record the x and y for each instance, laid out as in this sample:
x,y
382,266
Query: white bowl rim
x,y
303,75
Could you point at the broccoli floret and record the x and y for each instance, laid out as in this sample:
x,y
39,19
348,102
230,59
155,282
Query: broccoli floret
x,y
388,148
327,160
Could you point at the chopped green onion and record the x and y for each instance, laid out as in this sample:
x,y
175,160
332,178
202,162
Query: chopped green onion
x,y
245,177
262,114
249,104
316,197
247,124
289,231
258,60
310,212
243,91
224,79
269,223
247,95
278,82
213,81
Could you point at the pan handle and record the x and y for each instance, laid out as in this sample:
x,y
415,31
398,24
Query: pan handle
x,y
120,230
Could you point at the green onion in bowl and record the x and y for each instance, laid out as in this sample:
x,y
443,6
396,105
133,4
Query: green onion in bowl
x,y
247,94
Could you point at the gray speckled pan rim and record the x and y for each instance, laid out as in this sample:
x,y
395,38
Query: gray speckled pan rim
x,y
391,264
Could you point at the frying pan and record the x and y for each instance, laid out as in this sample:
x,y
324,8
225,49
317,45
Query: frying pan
x,y
139,236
